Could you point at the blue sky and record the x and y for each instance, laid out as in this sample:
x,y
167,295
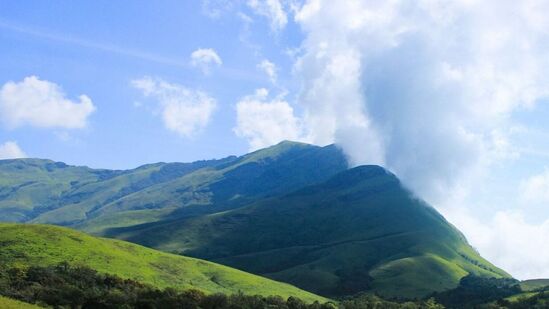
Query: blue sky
x,y
98,48
450,95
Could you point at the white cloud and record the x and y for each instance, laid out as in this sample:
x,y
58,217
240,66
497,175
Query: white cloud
x,y
269,68
509,241
10,150
425,88
265,122
428,89
184,111
536,189
271,9
43,104
204,59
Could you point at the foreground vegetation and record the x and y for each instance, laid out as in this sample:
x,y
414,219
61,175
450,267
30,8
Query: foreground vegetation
x,y
66,286
8,303
24,245
492,293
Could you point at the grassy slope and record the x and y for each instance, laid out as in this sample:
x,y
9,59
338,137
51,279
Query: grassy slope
x,y
534,284
262,173
228,211
29,187
87,201
8,303
43,191
23,244
530,288
359,230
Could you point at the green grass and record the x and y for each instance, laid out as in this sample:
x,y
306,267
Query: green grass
x,y
42,245
413,276
292,212
529,289
521,296
534,284
358,231
43,191
8,303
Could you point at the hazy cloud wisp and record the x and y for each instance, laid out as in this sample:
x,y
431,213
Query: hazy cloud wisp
x,y
272,10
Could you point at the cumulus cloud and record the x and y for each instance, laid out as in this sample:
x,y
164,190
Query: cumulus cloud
x,y
204,59
427,89
269,68
265,122
272,10
43,104
184,111
10,150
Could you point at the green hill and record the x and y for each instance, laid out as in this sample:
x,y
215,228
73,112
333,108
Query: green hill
x,y
531,289
292,212
43,245
43,191
534,285
360,230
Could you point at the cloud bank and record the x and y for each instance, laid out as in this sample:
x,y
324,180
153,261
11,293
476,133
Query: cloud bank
x,y
428,89
40,103
508,240
184,111
425,88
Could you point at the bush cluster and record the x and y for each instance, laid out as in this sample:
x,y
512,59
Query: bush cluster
x,y
66,286
475,291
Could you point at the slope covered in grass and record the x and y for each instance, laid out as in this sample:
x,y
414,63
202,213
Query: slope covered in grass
x,y
293,212
8,303
43,191
534,284
530,289
358,231
42,245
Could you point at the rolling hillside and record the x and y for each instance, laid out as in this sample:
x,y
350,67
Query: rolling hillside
x,y
43,191
360,230
292,212
43,245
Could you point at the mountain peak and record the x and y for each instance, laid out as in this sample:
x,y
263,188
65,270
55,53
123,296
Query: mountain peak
x,y
359,174
280,149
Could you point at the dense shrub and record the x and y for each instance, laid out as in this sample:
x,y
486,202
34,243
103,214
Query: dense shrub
x,y
474,291
65,286
540,300
374,302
